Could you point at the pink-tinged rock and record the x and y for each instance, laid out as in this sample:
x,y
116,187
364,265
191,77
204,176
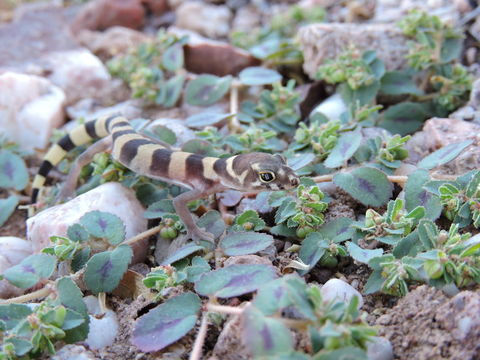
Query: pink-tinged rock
x,y
321,42
110,197
78,72
209,20
34,34
156,7
30,108
12,251
102,14
437,133
117,40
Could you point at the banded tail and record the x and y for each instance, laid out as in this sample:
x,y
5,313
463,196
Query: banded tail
x,y
81,135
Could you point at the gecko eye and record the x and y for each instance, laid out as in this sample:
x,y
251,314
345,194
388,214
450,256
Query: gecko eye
x,y
266,176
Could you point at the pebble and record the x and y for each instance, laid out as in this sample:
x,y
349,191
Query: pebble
x,y
321,42
332,107
30,108
73,352
339,290
209,20
12,251
379,349
103,327
109,197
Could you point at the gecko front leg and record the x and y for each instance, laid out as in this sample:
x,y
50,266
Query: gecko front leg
x,y
180,205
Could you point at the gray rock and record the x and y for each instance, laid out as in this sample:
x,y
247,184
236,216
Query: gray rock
x,y
379,349
209,20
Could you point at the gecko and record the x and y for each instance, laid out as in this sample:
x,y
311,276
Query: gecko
x,y
202,175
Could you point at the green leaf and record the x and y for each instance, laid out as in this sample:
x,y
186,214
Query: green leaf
x,y
173,58
77,232
13,171
451,49
443,155
258,76
346,146
162,133
12,314
362,255
399,83
404,118
212,222
166,323
408,246
374,282
31,270
364,95
245,242
313,248
416,195
345,353
105,270
473,185
206,90
104,225
71,297
368,185
7,208
265,336
171,91
80,259
181,253
22,347
206,118
337,230
159,209
234,280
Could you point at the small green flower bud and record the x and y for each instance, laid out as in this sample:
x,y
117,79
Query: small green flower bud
x,y
433,269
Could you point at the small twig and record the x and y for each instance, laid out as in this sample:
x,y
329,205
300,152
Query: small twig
x,y
399,179
196,353
223,309
143,235
234,124
42,293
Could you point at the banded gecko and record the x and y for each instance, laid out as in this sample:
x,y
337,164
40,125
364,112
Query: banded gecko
x,y
203,175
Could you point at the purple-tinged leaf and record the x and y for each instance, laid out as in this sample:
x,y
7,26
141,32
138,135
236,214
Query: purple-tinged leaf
x,y
300,160
105,270
368,185
399,83
234,280
172,91
362,255
203,119
166,323
416,195
337,230
206,90
173,57
12,314
404,118
31,270
104,225
443,155
245,242
13,171
312,250
7,207
265,336
346,146
158,209
258,75
181,253
212,222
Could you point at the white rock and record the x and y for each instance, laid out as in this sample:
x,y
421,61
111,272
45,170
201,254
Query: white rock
x,y
110,197
78,72
182,132
12,251
73,352
331,107
209,20
102,329
30,108
379,349
335,289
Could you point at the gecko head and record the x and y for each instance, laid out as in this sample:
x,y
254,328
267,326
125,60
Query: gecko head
x,y
266,172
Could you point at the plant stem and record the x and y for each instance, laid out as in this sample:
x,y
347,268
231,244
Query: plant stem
x,y
234,124
42,293
196,353
143,235
223,309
